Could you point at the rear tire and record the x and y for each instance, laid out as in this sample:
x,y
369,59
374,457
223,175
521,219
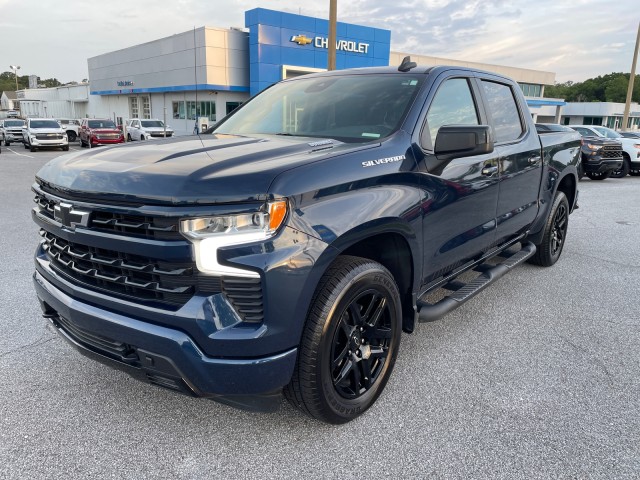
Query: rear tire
x,y
555,233
598,176
350,341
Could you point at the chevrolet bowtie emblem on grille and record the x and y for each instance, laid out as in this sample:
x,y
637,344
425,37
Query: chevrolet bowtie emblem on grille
x,y
301,39
69,217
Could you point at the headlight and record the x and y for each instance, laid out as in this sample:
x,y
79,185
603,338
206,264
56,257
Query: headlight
x,y
210,233
590,146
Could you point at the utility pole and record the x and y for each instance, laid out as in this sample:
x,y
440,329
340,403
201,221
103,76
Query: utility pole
x,y
331,61
632,77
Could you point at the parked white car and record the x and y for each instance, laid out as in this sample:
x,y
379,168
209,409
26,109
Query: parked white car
x,y
44,132
147,129
630,147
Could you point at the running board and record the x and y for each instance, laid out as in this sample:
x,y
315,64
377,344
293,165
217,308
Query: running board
x,y
429,312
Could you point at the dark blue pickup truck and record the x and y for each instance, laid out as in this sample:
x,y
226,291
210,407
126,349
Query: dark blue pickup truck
x,y
288,248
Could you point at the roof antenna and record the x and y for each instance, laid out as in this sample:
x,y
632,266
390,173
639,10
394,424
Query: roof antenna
x,y
407,64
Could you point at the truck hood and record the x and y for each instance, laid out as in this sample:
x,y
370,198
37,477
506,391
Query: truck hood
x,y
186,170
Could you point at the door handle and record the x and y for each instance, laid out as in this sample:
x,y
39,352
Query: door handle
x,y
489,170
534,159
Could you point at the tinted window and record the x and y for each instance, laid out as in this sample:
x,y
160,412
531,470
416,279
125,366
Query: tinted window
x,y
44,124
101,124
452,105
152,123
585,132
351,108
14,123
504,111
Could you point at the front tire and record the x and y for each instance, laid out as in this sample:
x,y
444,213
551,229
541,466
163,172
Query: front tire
x,y
350,341
555,233
624,170
71,135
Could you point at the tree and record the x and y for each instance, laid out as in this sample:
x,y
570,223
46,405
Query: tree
x,y
611,87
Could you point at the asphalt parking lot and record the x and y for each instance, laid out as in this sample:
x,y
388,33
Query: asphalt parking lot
x,y
537,377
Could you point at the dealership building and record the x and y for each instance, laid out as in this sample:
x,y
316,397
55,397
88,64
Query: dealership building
x,y
197,77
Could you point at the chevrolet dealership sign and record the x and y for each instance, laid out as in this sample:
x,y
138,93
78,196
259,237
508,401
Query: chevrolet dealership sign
x,y
322,42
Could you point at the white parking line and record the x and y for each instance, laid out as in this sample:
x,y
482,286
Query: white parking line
x,y
21,154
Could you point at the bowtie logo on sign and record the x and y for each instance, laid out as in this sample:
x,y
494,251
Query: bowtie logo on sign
x,y
322,42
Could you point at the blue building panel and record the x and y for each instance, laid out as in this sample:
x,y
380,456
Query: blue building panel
x,y
382,36
269,54
360,32
321,59
278,38
268,34
268,17
268,72
298,22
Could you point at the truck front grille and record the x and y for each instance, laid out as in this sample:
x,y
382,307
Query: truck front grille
x,y
118,273
143,226
49,136
136,277
611,151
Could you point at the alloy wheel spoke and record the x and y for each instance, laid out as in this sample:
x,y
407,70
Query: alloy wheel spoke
x,y
356,316
340,357
366,372
344,373
378,312
378,352
372,303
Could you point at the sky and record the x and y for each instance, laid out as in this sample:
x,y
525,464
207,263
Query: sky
x,y
575,39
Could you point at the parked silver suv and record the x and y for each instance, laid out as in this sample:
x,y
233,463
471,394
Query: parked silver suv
x,y
11,130
44,132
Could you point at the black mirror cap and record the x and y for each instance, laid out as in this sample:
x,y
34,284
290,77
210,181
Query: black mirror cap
x,y
463,140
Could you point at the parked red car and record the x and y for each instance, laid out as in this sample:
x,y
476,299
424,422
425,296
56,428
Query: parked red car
x,y
98,131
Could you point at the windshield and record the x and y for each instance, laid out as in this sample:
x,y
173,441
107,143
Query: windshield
x,y
44,124
351,108
152,123
101,124
14,123
607,132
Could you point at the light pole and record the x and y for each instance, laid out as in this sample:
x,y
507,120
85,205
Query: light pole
x,y
15,69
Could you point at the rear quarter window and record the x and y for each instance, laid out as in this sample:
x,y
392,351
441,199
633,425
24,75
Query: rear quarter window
x,y
503,109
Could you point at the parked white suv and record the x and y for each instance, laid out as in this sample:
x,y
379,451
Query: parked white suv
x,y
147,129
630,148
44,132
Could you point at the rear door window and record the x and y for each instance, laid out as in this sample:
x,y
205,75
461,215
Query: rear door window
x,y
503,109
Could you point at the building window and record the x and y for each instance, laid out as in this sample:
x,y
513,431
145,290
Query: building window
x,y
592,121
133,107
146,107
231,106
531,90
201,109
178,110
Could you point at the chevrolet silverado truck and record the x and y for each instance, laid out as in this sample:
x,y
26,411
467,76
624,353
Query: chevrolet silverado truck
x,y
44,132
287,249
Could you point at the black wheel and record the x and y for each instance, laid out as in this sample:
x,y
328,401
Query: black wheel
x,y
580,171
624,170
598,176
350,341
72,135
25,145
129,139
32,148
141,137
555,233
65,148
7,144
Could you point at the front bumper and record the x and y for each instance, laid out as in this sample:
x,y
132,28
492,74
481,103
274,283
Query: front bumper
x,y
598,165
106,141
49,143
164,356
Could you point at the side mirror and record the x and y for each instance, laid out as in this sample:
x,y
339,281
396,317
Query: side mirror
x,y
463,141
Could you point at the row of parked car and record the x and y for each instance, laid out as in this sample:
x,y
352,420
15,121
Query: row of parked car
x,y
92,132
605,152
